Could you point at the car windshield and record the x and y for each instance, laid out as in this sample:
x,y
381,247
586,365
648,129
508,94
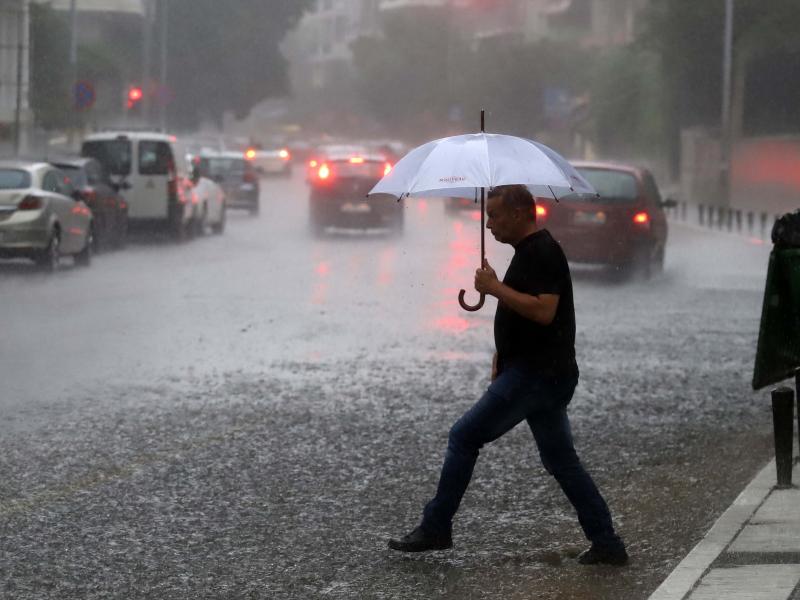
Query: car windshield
x,y
614,187
75,175
114,155
14,179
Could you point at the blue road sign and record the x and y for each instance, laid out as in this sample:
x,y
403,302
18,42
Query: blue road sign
x,y
84,95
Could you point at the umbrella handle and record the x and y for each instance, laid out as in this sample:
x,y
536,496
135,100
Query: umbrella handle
x,y
466,306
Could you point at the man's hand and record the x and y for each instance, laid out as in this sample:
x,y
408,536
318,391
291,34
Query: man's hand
x,y
486,281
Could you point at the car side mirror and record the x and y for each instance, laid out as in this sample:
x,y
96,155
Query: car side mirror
x,y
669,203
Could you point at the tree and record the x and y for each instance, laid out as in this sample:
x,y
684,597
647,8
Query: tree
x,y
687,37
50,97
224,56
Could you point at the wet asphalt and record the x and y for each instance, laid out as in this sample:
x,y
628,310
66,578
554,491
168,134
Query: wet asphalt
x,y
252,416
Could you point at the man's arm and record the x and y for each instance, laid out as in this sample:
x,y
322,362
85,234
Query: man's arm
x,y
539,309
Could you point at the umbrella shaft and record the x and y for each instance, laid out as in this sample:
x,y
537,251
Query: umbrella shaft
x,y
483,229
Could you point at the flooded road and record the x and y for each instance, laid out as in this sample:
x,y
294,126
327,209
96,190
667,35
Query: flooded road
x,y
253,415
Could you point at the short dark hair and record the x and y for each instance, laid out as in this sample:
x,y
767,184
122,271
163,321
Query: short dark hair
x,y
515,196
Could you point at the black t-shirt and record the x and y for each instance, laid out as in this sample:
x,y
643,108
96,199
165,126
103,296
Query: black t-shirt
x,y
538,267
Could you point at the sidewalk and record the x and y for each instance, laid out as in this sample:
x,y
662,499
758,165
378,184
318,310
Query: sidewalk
x,y
752,552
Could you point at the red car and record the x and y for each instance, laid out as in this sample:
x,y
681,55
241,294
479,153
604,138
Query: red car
x,y
625,227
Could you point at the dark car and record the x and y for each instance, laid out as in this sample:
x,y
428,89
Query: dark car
x,y
236,175
624,228
339,178
109,208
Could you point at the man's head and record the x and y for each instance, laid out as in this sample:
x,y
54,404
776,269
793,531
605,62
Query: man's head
x,y
511,212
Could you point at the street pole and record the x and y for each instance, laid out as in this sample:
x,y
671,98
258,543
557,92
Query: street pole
x,y
725,125
162,96
20,72
73,70
147,35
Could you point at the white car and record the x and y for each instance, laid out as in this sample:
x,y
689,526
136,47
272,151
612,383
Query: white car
x,y
271,162
210,204
41,217
152,171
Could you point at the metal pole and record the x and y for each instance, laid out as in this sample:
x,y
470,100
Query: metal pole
x,y
73,69
783,424
725,125
162,105
20,71
147,41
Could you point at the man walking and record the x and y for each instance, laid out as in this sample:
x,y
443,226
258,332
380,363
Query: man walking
x,y
534,374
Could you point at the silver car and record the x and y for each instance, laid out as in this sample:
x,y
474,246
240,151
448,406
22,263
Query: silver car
x,y
39,217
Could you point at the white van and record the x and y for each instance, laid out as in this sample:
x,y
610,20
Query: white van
x,y
152,171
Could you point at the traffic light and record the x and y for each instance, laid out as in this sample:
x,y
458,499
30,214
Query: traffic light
x,y
135,95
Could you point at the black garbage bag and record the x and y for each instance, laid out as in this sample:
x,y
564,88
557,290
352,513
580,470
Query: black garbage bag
x,y
778,349
786,230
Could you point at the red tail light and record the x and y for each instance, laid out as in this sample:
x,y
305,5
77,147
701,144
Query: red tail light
x,y
30,203
324,171
313,163
541,211
386,169
641,218
284,154
250,153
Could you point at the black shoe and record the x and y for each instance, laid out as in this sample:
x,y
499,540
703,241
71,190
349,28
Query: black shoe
x,y
420,540
602,555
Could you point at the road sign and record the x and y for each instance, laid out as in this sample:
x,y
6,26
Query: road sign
x,y
84,95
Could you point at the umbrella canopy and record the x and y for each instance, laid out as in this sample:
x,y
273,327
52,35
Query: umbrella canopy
x,y
459,165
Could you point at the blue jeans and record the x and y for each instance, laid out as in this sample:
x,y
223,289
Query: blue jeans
x,y
541,401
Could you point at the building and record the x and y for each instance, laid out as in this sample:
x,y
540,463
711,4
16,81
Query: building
x,y
15,117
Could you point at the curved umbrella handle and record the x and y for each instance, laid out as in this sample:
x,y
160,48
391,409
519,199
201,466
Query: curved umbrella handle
x,y
466,306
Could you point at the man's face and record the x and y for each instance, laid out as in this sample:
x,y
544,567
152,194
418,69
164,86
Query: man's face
x,y
502,221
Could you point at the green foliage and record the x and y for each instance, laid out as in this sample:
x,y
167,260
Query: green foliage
x,y
225,55
50,97
627,109
419,71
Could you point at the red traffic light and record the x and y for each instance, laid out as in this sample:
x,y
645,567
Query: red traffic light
x,y
135,94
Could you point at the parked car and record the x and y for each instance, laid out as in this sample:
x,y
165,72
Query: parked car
x,y
236,175
152,171
109,209
211,201
42,218
340,178
625,227
275,161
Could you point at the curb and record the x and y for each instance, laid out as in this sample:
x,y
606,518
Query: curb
x,y
691,569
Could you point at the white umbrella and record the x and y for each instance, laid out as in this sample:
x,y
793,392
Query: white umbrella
x,y
459,165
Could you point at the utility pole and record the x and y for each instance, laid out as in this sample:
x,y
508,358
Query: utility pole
x,y
147,42
20,77
725,124
163,95
74,125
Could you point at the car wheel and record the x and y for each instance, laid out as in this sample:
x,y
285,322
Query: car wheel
x,y
122,234
641,267
84,257
218,228
50,258
200,224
